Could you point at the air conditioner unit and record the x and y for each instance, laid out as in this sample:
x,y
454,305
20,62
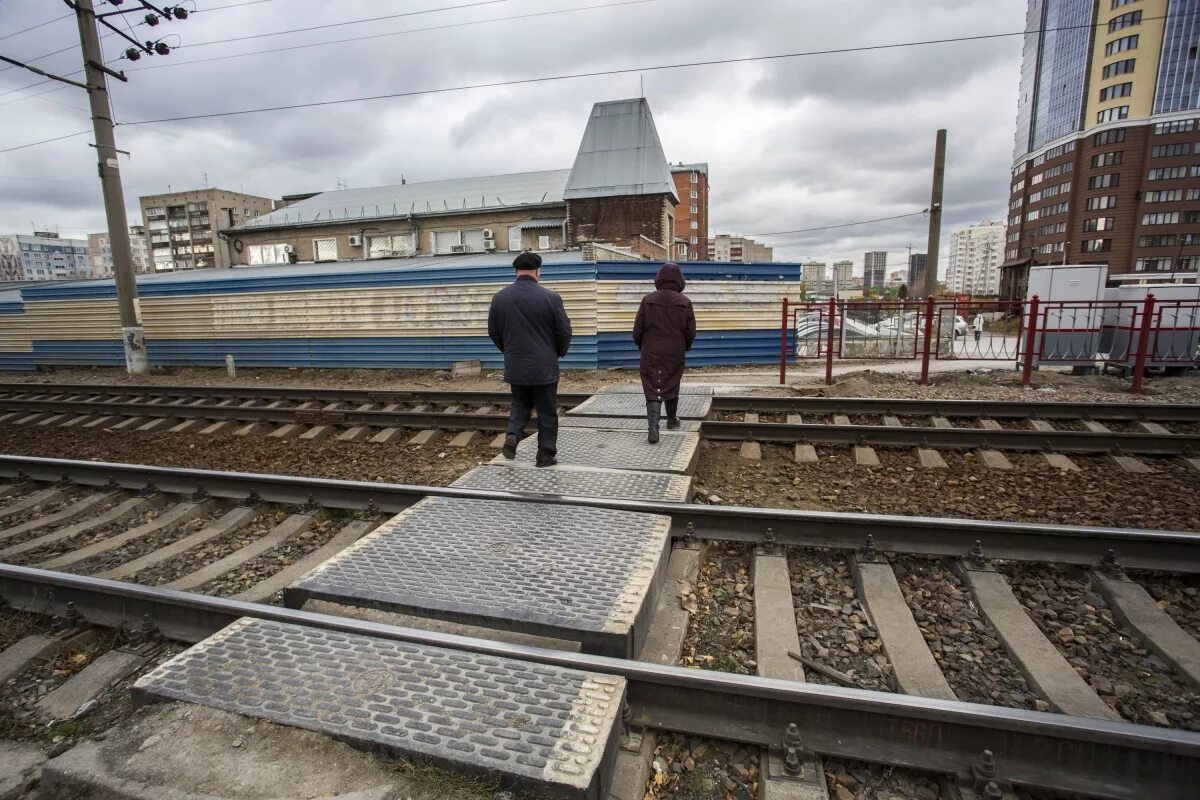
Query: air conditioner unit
x,y
489,244
487,233
287,248
355,241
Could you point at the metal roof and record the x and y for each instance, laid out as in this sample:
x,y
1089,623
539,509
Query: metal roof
x,y
493,192
543,223
620,154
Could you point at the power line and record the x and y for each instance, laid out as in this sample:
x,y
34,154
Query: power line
x,y
358,39
841,225
35,27
347,22
44,141
603,73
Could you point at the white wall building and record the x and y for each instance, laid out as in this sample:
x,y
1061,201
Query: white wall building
x,y
975,256
43,257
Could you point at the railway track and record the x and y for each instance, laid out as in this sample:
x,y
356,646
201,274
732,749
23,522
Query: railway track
x,y
1088,750
1123,429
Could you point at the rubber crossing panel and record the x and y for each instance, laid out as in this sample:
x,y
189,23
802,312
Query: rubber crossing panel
x,y
636,388
586,447
622,423
582,574
546,729
634,405
579,482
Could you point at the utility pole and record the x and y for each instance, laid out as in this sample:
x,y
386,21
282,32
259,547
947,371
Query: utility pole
x,y
132,334
935,216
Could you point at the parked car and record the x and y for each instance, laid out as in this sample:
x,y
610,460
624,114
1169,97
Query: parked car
x,y
960,327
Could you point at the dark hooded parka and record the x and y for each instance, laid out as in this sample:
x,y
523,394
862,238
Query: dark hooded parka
x,y
664,331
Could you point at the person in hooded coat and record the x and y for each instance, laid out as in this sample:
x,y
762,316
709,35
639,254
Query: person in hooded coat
x,y
664,330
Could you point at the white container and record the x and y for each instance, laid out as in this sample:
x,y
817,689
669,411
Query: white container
x,y
1068,323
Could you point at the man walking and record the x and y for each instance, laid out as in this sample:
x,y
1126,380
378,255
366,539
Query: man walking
x,y
528,323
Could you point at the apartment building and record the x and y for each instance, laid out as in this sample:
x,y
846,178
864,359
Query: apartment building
x,y
874,268
916,273
843,275
43,256
1106,167
724,247
100,252
691,215
182,227
976,253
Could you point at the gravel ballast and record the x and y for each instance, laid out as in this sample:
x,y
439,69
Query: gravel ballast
x,y
720,633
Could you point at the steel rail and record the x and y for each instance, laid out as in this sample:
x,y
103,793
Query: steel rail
x,y
315,416
298,393
1173,551
957,438
1097,758
989,409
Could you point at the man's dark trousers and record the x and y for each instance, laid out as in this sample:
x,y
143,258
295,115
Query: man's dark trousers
x,y
545,399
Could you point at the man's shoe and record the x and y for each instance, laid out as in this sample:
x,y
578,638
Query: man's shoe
x,y
510,447
550,462
673,424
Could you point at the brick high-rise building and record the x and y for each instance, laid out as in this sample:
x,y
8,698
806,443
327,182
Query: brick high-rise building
x,y
1107,161
874,268
691,215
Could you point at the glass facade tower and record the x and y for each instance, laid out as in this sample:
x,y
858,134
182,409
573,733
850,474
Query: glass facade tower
x,y
1053,71
1179,70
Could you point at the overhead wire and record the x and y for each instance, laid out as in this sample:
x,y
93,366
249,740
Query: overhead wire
x,y
840,225
35,27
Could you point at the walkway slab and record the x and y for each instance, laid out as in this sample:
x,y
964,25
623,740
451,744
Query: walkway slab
x,y
1048,673
633,405
539,728
675,452
586,574
579,482
701,389
622,423
916,671
102,673
1136,610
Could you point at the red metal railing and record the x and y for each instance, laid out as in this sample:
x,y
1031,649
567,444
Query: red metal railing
x,y
1131,336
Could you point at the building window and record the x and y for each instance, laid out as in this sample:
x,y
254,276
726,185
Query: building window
x,y
1119,68
1115,91
1109,137
1163,196
1104,181
1191,217
1167,150
1107,159
1097,245
695,177
681,250
461,241
1167,173
694,239
1166,240
1178,126
325,249
694,224
1152,264
1161,218
1118,3
395,246
1099,224
1192,194
1125,21
695,194
695,209
1101,203
1112,114
258,254
1121,45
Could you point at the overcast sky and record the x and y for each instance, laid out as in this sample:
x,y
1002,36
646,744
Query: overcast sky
x,y
791,143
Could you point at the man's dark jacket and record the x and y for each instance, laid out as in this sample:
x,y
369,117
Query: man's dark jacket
x,y
528,323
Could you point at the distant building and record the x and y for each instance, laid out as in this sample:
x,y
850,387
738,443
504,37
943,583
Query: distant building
x,y
100,252
817,282
897,278
44,256
916,273
724,247
618,200
182,226
976,253
843,276
874,267
691,215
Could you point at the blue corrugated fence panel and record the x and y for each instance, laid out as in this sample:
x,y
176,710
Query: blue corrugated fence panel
x,y
109,353
17,362
711,348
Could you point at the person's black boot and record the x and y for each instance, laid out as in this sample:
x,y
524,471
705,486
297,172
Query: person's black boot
x,y
673,414
653,415
509,450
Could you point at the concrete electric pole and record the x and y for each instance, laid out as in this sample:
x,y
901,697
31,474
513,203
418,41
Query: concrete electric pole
x,y
935,216
132,333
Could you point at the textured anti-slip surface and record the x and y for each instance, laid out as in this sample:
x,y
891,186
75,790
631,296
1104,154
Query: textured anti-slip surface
x,y
636,388
543,728
586,447
578,482
584,574
634,405
623,423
